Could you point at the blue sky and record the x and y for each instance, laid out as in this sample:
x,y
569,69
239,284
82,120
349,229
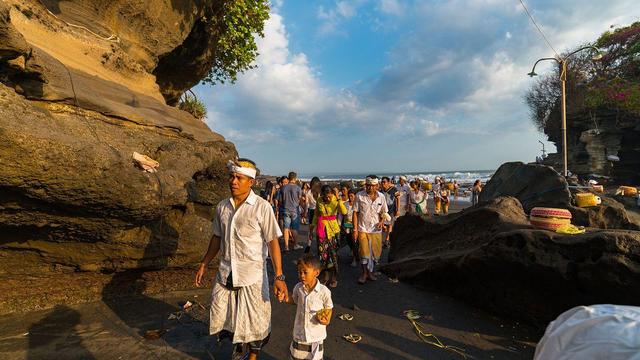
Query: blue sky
x,y
398,86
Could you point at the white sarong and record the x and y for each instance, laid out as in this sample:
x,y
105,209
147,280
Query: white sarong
x,y
245,312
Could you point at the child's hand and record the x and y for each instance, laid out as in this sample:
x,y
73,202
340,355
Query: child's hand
x,y
324,316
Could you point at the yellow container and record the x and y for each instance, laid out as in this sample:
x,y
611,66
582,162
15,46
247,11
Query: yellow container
x,y
587,200
427,186
628,191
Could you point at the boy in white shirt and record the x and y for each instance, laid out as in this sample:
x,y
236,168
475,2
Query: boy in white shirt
x,y
313,312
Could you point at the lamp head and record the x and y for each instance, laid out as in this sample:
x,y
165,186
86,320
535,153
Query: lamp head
x,y
597,57
532,74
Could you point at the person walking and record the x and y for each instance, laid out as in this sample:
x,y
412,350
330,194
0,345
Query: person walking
x,y
417,199
403,194
369,212
290,197
475,192
392,197
245,230
327,231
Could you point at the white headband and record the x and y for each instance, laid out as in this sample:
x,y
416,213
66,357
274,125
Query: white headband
x,y
371,181
235,168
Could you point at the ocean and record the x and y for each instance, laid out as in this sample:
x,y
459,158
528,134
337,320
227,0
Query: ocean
x,y
461,176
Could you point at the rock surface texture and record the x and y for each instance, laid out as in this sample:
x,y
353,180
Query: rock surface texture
x,y
594,136
82,86
540,185
491,256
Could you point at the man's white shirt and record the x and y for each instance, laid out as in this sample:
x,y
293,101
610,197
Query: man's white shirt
x,y
244,234
369,211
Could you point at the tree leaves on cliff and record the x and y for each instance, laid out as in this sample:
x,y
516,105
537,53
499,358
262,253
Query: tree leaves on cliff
x,y
237,24
611,83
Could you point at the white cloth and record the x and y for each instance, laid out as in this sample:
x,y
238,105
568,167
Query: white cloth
x,y
609,332
417,198
245,312
403,190
316,352
235,168
306,328
311,201
369,211
244,233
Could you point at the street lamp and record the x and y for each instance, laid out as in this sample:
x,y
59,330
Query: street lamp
x,y
562,62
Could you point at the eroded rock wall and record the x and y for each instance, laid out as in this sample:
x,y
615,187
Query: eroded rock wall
x,y
78,95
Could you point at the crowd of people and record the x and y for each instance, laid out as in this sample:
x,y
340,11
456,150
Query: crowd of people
x,y
359,215
247,229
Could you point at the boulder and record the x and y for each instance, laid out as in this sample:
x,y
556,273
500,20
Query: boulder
x,y
489,255
537,185
534,185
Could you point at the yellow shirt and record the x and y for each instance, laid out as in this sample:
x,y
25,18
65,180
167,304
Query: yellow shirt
x,y
329,209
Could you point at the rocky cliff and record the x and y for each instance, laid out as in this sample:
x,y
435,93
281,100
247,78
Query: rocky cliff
x,y
83,85
592,136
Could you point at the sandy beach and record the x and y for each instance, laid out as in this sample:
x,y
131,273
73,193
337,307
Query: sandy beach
x,y
114,330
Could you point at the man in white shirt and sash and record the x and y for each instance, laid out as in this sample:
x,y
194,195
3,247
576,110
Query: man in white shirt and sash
x,y
369,213
245,230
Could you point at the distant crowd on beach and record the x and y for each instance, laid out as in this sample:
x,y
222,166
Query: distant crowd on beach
x,y
360,214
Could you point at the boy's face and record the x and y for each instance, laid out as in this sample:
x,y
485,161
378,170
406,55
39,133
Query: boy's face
x,y
307,274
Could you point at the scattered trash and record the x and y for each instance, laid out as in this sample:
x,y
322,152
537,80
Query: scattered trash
x,y
25,334
153,334
345,317
187,305
175,316
628,191
393,280
352,338
412,316
146,163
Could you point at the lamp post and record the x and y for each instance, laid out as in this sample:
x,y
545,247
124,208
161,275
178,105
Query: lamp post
x,y
562,62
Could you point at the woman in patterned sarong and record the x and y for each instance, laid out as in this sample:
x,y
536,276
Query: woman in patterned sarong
x,y
327,231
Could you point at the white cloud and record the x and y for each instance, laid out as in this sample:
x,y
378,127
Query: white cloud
x,y
332,19
391,7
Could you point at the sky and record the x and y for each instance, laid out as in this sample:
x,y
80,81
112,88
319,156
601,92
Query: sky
x,y
399,86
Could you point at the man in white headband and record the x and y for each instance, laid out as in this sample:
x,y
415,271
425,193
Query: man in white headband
x,y
245,230
368,219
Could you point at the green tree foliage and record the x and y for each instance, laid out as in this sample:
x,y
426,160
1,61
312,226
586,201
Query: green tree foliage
x,y
611,83
240,21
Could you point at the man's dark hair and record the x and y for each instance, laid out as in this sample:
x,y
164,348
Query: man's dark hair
x,y
385,178
372,176
309,260
292,176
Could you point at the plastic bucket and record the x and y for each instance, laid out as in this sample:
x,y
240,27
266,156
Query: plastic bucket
x,y
587,200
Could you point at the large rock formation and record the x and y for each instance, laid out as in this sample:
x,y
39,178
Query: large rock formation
x,y
592,137
82,86
491,256
539,185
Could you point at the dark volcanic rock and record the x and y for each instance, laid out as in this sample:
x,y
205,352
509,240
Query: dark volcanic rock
x,y
490,256
533,185
540,185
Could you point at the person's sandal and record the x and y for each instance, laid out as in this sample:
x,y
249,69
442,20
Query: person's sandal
x,y
345,317
352,338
